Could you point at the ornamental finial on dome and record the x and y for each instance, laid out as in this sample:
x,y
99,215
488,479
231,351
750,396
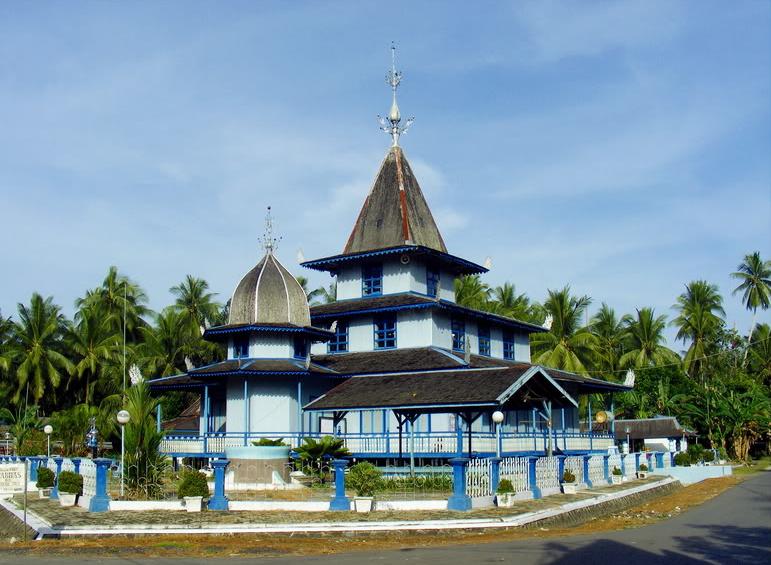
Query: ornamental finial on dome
x,y
390,124
269,241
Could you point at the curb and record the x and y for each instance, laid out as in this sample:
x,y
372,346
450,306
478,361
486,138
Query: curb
x,y
46,530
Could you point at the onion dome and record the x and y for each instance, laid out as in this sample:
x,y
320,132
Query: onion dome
x,y
269,295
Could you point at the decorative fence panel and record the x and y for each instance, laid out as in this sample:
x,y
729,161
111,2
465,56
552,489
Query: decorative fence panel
x,y
51,464
515,469
576,466
68,465
88,472
478,478
667,460
614,461
596,469
546,474
629,466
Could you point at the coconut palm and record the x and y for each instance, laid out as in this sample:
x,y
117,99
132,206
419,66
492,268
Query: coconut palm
x,y
167,344
760,353
323,295
21,423
755,286
36,349
116,295
700,312
609,331
506,302
567,345
196,305
94,346
471,292
645,341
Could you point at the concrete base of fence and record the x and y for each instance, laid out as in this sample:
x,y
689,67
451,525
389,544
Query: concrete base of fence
x,y
696,473
139,505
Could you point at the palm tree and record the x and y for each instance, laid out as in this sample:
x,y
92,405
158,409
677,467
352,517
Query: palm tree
x,y
645,341
755,277
471,292
700,311
116,295
94,346
36,348
566,345
506,302
609,331
760,353
323,295
20,424
167,344
194,302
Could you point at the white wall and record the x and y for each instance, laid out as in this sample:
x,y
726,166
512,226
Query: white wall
x,y
272,405
522,346
441,330
267,347
414,328
360,334
447,286
496,342
349,282
397,278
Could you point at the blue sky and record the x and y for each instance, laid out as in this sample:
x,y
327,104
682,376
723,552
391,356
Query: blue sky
x,y
621,147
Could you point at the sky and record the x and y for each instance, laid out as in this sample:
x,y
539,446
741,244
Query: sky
x,y
623,148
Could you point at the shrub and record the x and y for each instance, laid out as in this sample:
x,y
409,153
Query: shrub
x,y
695,452
643,467
682,460
267,442
45,478
708,456
617,471
568,476
364,478
193,483
70,483
505,487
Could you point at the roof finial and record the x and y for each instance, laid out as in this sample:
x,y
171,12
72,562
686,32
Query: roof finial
x,y
269,241
390,124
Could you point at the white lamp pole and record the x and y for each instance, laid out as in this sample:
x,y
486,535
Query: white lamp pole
x,y
498,419
7,443
123,419
48,429
628,444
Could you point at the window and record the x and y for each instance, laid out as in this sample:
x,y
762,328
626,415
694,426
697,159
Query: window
x,y
339,343
300,348
458,335
508,345
484,340
432,281
372,280
241,348
385,332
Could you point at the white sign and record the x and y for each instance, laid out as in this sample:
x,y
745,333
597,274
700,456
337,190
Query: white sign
x,y
12,477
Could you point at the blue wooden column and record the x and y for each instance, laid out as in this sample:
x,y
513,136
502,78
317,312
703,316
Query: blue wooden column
x,y
587,480
659,460
76,464
560,466
55,491
533,477
219,501
459,500
495,473
340,502
636,462
605,468
34,463
100,502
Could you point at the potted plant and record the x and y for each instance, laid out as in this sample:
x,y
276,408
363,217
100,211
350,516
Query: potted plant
x,y
642,472
505,493
70,487
45,482
616,476
193,488
568,482
364,478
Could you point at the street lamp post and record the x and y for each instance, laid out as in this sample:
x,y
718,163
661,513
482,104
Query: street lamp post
x,y
7,443
48,429
498,419
123,419
628,444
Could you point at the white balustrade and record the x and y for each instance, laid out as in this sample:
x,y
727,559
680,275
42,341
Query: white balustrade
x,y
547,473
88,472
597,469
576,465
478,478
516,470
68,465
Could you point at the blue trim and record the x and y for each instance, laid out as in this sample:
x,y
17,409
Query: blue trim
x,y
224,330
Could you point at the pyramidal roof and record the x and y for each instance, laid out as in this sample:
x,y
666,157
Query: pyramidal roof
x,y
395,212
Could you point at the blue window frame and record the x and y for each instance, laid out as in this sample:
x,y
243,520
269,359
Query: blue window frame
x,y
372,280
240,348
432,281
339,343
458,334
385,332
508,345
483,333
300,348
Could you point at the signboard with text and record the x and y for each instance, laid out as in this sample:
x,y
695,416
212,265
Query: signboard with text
x,y
12,477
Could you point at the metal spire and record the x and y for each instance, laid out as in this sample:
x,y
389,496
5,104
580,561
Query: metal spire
x,y
390,124
269,241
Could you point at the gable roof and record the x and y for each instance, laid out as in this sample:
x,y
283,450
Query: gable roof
x,y
395,212
649,428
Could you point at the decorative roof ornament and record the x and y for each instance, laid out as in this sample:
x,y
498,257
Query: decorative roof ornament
x,y
390,124
269,241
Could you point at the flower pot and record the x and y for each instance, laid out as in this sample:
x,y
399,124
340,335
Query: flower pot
x,y
363,503
569,488
616,479
505,499
67,499
193,503
642,474
44,492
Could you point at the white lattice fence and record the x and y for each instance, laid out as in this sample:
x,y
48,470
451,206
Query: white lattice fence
x,y
515,469
51,464
478,478
88,472
547,473
68,465
614,461
629,466
576,466
596,469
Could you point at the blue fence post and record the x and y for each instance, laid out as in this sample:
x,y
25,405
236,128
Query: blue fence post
x,y
459,500
649,460
587,480
671,458
340,502
560,466
55,491
533,477
100,502
659,460
219,501
605,467
76,464
34,463
636,462
495,473
623,463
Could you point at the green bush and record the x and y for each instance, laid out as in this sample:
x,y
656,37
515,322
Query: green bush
x,y
45,478
643,467
568,476
617,471
267,442
682,460
505,487
70,483
193,483
695,452
438,482
364,478
708,456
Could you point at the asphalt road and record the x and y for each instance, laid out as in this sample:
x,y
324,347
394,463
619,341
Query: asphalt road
x,y
734,527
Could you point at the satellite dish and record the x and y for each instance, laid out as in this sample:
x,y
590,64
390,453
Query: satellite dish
x,y
603,416
488,264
